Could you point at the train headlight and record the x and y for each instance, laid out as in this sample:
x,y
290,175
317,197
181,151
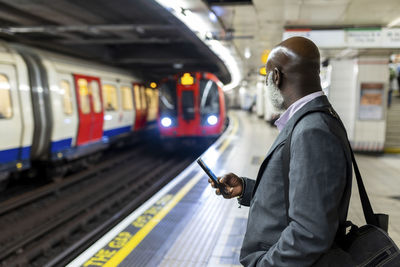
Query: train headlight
x,y
212,119
166,122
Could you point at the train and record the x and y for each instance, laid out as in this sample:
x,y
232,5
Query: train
x,y
56,109
191,105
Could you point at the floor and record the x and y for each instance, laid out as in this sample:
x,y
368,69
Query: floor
x,y
206,230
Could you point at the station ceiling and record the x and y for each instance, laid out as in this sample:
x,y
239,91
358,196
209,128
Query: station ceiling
x,y
137,35
259,24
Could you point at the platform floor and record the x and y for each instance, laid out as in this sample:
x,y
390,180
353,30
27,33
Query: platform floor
x,y
186,224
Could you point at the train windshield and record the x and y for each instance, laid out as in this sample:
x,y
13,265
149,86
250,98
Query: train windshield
x,y
188,104
209,98
168,98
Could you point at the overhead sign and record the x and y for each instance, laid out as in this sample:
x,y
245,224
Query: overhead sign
x,y
323,38
390,37
263,71
364,37
354,37
187,79
264,56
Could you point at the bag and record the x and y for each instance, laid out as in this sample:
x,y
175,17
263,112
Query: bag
x,y
366,246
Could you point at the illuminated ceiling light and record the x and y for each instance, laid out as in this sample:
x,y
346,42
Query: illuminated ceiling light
x,y
200,26
153,85
247,53
186,12
212,16
394,22
177,65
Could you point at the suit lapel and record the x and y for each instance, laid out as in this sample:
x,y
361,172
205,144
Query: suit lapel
x,y
318,102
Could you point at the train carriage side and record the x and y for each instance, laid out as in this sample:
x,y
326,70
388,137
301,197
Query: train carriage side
x,y
152,104
16,120
92,105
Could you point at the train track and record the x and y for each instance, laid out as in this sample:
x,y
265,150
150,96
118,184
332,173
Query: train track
x,y
54,223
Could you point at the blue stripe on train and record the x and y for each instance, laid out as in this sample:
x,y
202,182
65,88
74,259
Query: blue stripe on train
x,y
11,155
26,152
117,131
61,145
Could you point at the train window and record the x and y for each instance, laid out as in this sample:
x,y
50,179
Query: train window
x,y
127,101
84,96
137,97
65,91
110,97
168,103
209,97
188,104
5,98
95,90
143,95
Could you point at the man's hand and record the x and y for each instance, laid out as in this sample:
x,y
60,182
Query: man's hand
x,y
232,183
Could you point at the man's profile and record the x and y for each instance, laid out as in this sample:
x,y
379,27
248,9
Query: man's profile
x,y
320,168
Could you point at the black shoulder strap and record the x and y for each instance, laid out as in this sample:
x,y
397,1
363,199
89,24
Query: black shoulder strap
x,y
366,205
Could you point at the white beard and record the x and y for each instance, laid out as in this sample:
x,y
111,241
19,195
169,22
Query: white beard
x,y
275,95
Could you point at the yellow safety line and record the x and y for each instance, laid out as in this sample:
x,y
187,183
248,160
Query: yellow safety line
x,y
392,150
142,233
226,143
145,230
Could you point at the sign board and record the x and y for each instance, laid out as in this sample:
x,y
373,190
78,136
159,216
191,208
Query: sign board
x,y
322,38
371,101
354,37
391,37
360,37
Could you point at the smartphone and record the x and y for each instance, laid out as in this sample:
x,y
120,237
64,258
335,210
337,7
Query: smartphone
x,y
212,176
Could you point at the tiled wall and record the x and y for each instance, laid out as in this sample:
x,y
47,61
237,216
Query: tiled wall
x,y
344,94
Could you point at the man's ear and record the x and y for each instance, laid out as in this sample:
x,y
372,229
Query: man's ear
x,y
277,77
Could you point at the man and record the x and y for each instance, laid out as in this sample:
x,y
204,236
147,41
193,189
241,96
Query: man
x,y
320,169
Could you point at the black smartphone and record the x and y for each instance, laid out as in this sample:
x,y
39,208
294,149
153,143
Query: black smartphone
x,y
210,174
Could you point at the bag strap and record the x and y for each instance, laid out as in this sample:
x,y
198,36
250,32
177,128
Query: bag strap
x,y
366,204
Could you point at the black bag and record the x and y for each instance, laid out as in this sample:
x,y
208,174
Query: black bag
x,y
368,245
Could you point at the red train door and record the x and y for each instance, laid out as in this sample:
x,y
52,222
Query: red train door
x,y
140,106
91,117
188,110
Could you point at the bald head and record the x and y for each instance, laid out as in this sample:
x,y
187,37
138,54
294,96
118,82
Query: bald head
x,y
295,54
295,65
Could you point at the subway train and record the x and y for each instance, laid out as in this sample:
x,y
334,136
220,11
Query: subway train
x,y
191,105
56,109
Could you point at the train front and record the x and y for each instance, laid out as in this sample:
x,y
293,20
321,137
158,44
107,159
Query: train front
x,y
191,105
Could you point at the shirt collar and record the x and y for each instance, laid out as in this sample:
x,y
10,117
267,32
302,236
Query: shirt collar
x,y
296,106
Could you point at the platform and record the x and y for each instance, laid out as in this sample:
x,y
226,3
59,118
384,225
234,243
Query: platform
x,y
186,224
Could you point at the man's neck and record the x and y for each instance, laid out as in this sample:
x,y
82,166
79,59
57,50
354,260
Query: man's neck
x,y
298,93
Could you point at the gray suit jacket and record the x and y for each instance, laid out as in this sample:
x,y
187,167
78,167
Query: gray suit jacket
x,y
319,193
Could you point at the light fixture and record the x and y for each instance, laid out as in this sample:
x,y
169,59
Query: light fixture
x,y
212,119
394,22
166,122
153,85
200,26
177,65
212,16
247,53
